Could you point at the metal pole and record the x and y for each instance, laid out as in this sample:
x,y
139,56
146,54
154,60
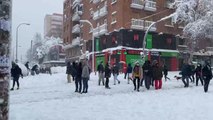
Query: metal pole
x,y
144,39
147,31
17,39
93,44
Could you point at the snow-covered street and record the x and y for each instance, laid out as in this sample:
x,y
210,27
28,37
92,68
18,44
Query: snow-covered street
x,y
46,97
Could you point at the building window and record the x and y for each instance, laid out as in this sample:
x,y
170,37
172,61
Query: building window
x,y
136,37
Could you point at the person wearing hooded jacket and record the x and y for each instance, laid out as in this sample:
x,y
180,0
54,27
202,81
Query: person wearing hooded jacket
x,y
157,75
207,75
16,72
78,78
137,74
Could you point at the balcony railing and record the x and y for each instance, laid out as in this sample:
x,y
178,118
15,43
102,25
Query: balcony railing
x,y
137,24
76,17
147,24
75,2
100,13
100,30
76,41
103,29
76,29
138,4
96,1
103,11
96,32
96,15
150,5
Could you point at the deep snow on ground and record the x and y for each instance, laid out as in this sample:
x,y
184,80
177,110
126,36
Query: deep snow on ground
x,y
46,97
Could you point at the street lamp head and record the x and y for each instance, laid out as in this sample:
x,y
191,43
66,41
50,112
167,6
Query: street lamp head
x,y
27,23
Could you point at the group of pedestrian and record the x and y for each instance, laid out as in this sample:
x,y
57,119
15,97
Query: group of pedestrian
x,y
202,74
105,72
148,73
80,73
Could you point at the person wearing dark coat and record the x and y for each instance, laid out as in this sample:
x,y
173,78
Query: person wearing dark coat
x,y
35,70
68,72
107,75
207,75
16,72
129,72
100,70
165,72
78,79
115,72
157,75
186,72
198,75
73,70
147,74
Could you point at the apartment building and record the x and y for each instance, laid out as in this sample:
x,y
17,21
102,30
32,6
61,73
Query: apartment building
x,y
53,25
118,29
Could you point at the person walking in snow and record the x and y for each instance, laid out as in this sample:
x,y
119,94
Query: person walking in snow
x,y
129,72
157,75
100,70
107,75
16,72
85,76
147,74
68,72
115,72
137,74
186,72
198,75
165,72
78,78
207,75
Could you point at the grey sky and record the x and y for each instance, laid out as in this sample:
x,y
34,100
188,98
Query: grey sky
x,y
33,12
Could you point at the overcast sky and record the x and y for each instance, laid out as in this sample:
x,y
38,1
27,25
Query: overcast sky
x,y
33,12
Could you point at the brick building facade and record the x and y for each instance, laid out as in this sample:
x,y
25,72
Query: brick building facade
x,y
121,25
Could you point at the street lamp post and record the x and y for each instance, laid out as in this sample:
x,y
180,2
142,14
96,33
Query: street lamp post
x,y
147,31
17,39
93,43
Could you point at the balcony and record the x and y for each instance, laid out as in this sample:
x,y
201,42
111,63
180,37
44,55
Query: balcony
x,y
137,4
103,11
100,13
103,29
150,6
137,24
96,32
147,24
96,1
96,15
76,41
100,30
75,17
76,29
75,3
